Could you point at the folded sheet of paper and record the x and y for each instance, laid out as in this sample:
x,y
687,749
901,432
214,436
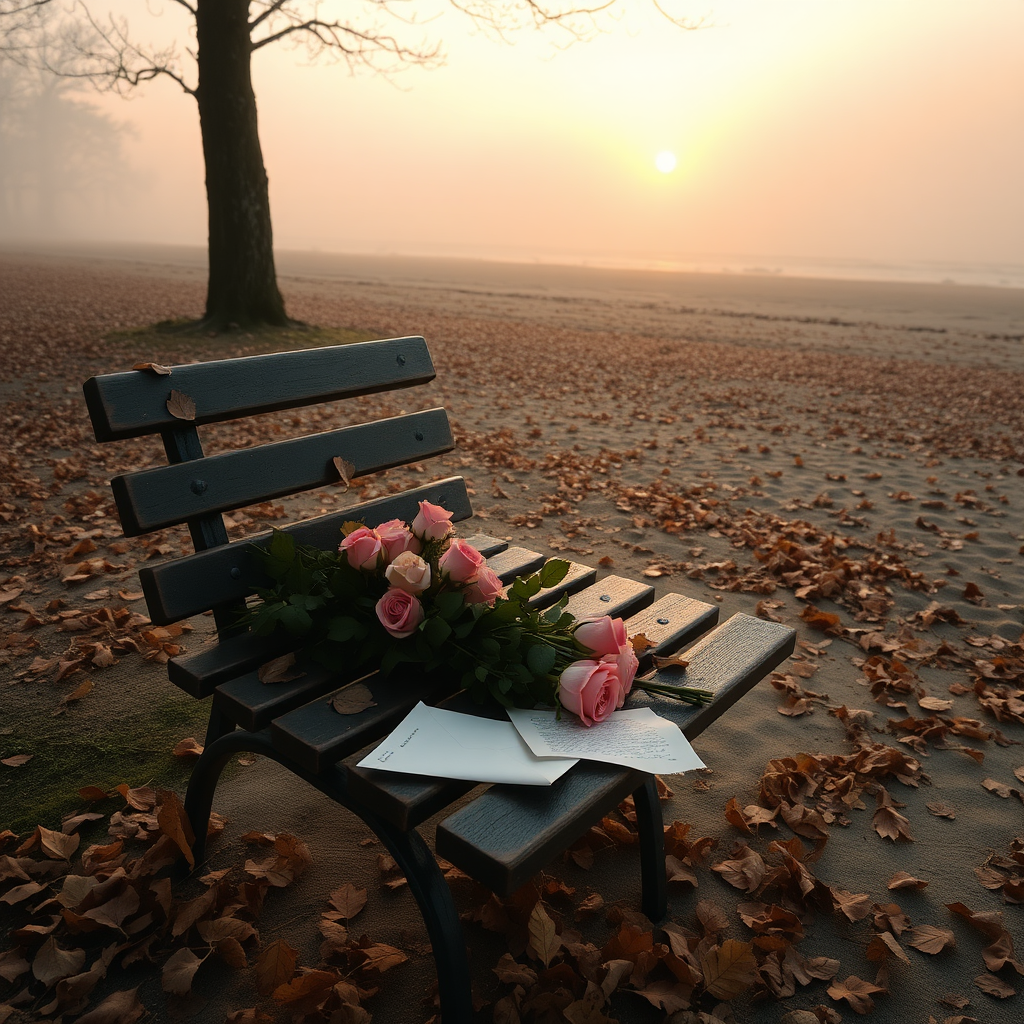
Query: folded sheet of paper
x,y
434,742
635,739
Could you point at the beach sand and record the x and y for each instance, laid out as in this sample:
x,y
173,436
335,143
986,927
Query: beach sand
x,y
675,426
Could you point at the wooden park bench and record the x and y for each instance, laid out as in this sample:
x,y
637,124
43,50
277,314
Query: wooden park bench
x,y
507,833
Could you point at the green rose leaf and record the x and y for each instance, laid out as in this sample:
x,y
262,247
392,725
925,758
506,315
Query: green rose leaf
x,y
540,659
553,572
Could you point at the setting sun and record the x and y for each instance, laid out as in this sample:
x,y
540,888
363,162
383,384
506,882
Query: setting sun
x,y
665,162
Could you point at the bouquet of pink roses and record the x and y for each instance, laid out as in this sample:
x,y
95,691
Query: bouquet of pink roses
x,y
416,593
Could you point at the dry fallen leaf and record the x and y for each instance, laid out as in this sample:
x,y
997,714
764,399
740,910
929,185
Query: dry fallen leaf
x,y
348,900
672,661
157,368
274,966
17,760
188,747
279,670
346,471
353,699
544,942
728,969
903,880
929,939
180,406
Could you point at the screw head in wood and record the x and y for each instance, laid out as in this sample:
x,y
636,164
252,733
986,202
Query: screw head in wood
x,y
198,486
662,622
606,597
401,360
235,573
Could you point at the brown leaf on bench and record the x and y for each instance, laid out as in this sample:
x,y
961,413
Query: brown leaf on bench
x,y
345,470
279,670
673,661
353,699
180,406
157,368
640,643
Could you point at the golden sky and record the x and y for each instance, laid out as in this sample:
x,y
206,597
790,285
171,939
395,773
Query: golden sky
x,y
888,130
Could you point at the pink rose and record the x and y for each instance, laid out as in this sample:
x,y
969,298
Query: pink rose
x,y
485,589
362,548
409,572
432,522
627,662
590,689
461,562
396,538
603,635
399,612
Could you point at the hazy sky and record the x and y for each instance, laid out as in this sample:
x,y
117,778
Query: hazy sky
x,y
867,129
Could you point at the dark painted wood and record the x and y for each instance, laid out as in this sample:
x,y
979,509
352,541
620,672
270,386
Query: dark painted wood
x,y
135,403
190,585
199,673
156,498
408,800
316,736
253,705
508,834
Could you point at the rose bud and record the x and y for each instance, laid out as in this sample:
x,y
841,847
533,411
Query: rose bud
x,y
461,562
432,522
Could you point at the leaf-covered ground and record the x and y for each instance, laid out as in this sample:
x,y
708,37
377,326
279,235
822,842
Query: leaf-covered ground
x,y
855,846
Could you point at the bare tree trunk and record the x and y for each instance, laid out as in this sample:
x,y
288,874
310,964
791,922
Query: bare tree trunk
x,y
242,283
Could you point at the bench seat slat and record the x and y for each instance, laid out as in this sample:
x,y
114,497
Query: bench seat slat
x,y
408,800
507,834
135,403
315,736
311,735
152,499
578,577
614,595
515,561
224,575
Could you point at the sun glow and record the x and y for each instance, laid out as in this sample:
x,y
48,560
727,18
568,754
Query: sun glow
x,y
665,162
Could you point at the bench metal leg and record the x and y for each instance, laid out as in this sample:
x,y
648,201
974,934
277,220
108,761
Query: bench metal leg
x,y
651,828
411,854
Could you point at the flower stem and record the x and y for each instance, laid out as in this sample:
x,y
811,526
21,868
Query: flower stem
x,y
687,694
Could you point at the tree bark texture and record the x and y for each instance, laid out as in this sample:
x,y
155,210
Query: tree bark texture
x,y
242,280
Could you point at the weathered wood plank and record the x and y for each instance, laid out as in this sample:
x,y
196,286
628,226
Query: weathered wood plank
x,y
135,403
316,736
507,834
408,800
578,577
152,499
515,561
190,585
614,596
199,673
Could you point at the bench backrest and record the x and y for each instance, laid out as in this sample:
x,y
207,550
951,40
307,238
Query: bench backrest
x,y
196,489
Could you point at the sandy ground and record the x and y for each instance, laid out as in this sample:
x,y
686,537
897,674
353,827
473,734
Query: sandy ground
x,y
674,425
